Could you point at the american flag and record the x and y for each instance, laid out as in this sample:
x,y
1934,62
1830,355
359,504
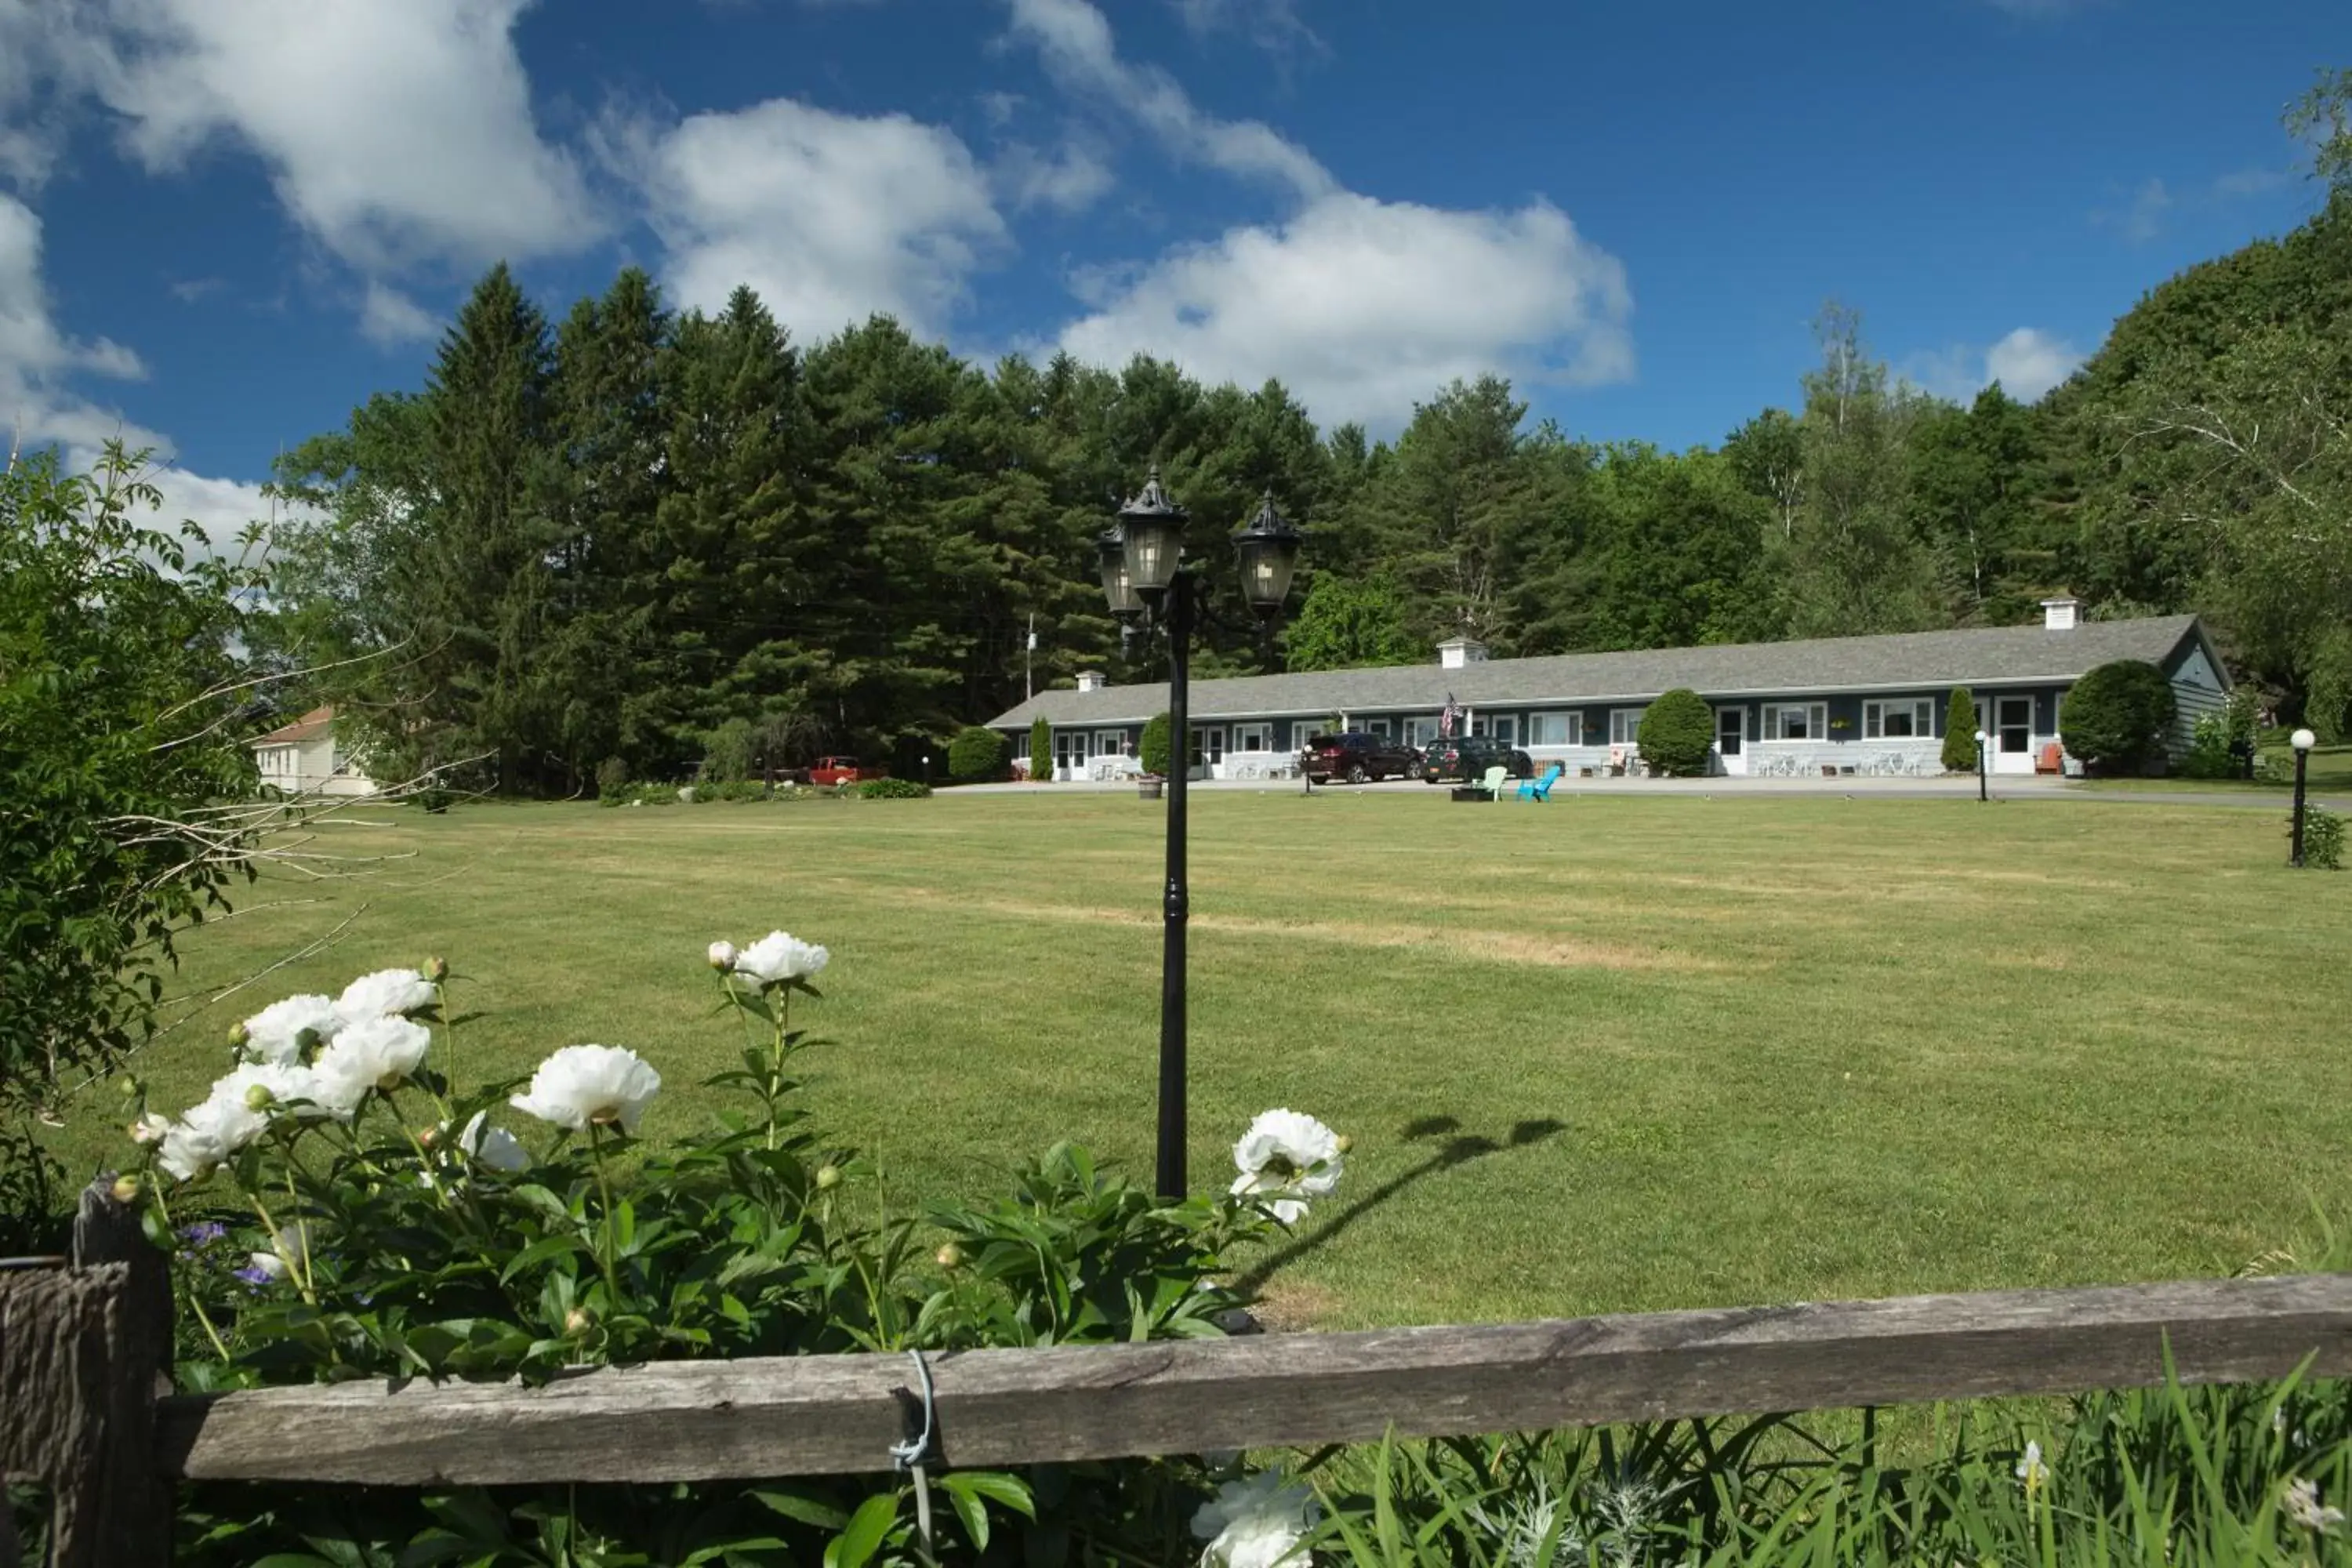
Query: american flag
x,y
1449,718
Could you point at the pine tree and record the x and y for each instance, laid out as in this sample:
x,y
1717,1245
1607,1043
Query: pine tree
x,y
1960,753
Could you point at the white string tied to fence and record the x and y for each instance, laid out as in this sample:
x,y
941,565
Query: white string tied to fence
x,y
911,1453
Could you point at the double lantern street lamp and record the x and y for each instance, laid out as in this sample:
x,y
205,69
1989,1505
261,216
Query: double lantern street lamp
x,y
2303,740
1149,584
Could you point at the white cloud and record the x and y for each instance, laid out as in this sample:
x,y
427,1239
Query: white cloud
x,y
1359,305
2029,362
1073,176
39,405
2141,218
829,216
395,134
1272,25
2026,363
1362,306
1075,42
389,318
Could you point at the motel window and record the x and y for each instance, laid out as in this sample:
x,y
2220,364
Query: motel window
x,y
1377,727
1555,729
1109,742
1304,729
1253,737
1502,727
1796,721
1420,732
1898,721
1625,726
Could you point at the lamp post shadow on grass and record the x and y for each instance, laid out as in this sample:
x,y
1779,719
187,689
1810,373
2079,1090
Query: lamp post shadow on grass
x,y
1459,1147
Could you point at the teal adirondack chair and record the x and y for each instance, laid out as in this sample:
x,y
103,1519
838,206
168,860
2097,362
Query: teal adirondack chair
x,y
1540,789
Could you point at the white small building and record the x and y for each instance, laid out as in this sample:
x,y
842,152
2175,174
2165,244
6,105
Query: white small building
x,y
305,758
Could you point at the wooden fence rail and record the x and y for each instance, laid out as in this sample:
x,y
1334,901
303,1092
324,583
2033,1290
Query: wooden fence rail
x,y
808,1416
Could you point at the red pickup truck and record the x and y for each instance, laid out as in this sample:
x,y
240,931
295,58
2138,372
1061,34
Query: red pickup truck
x,y
842,770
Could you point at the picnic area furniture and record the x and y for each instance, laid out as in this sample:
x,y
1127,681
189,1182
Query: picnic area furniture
x,y
1540,789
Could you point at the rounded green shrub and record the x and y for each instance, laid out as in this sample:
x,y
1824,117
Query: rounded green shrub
x,y
892,789
1041,749
1677,734
976,754
2115,717
1960,731
1154,747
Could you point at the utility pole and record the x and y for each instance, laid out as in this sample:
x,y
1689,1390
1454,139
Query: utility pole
x,y
1029,662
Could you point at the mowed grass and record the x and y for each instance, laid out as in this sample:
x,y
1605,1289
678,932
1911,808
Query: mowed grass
x,y
1608,1053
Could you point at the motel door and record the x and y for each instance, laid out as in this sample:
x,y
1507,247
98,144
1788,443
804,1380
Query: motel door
x,y
1731,739
2013,737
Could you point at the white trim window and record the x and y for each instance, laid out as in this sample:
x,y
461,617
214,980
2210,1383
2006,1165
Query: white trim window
x,y
1422,732
1253,737
1796,721
1502,727
1377,727
1556,728
1912,719
1110,742
1625,726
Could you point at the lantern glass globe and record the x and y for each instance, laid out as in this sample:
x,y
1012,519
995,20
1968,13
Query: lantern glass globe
x,y
2302,740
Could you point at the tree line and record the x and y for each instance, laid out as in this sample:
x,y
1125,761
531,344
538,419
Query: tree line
x,y
588,544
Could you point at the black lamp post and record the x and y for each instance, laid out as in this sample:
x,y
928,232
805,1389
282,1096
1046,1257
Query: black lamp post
x,y
2303,740
1983,741
1146,583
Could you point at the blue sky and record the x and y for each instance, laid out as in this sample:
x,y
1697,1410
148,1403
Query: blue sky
x,y
223,222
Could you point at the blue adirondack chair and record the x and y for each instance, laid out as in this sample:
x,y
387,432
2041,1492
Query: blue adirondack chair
x,y
1540,789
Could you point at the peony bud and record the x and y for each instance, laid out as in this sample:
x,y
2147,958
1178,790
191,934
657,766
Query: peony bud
x,y
128,1085
722,956
259,1097
949,1257
827,1178
1343,1144
430,1136
126,1189
437,970
577,1320
149,1129
237,1036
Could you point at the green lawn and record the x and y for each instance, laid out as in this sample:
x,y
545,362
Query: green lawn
x,y
1608,1054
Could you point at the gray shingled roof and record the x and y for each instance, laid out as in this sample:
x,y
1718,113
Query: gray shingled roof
x,y
1990,656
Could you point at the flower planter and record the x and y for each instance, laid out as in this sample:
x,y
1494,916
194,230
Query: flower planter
x,y
1472,791
1148,789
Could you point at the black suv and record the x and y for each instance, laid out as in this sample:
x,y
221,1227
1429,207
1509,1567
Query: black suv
x,y
1357,757
1467,758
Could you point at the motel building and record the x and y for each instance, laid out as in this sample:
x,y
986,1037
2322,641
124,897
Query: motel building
x,y
1866,706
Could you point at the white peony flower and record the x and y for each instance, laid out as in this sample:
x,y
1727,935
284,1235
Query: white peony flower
x,y
372,1053
780,958
1256,1523
385,993
583,1085
267,1088
277,1033
226,1120
495,1147
722,956
293,1241
1285,1158
2303,1506
149,1129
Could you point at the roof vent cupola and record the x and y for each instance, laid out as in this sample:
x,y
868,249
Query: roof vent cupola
x,y
1455,652
1091,680
2059,615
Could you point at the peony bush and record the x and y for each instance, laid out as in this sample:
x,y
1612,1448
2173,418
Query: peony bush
x,y
344,1206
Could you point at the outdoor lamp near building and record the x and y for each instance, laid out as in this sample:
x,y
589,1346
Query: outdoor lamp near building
x,y
1983,741
1147,585
2301,741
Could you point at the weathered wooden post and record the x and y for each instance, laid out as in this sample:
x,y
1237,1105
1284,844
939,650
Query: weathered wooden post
x,y
83,1349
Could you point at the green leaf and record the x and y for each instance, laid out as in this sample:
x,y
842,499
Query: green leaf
x,y
800,1507
995,1486
868,1527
